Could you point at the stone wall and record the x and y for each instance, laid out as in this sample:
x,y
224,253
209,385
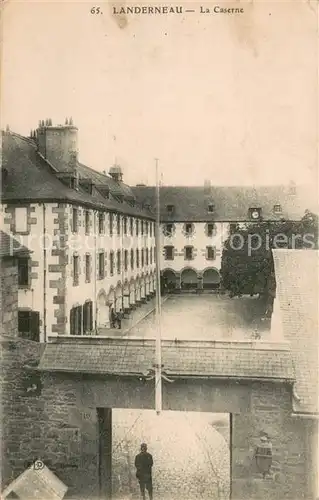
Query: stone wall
x,y
9,296
61,425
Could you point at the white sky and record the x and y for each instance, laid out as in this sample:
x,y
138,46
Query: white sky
x,y
228,98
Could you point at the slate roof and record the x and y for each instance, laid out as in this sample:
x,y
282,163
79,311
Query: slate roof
x,y
30,178
297,292
231,203
10,247
127,358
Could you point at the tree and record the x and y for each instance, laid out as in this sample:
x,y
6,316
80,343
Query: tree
x,y
247,265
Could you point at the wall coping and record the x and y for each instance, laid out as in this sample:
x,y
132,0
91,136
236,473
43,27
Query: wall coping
x,y
204,344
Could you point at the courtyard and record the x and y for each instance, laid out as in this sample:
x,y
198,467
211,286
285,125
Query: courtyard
x,y
206,317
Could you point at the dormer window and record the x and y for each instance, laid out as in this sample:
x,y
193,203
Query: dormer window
x,y
255,213
74,182
277,209
170,209
211,208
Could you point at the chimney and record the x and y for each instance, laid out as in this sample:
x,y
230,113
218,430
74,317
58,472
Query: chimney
x,y
116,173
59,145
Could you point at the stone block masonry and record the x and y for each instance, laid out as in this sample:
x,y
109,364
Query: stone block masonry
x,y
58,421
58,271
9,297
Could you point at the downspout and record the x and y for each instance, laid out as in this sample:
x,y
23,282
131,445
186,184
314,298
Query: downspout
x,y
44,275
94,269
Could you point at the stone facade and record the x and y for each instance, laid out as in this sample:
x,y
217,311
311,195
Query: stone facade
x,y
200,268
9,296
61,426
52,289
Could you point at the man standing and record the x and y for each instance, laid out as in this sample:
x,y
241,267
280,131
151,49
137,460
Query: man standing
x,y
144,464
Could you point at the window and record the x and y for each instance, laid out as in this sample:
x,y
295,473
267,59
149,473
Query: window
x,y
125,259
211,208
111,263
101,222
23,271
188,253
210,253
76,320
137,258
87,222
132,259
277,209
169,252
24,321
146,228
75,270
111,224
125,225
137,227
151,229
188,228
118,224
170,209
142,227
29,325
75,220
142,257
21,220
118,260
151,256
131,226
87,268
168,229
146,256
211,229
101,266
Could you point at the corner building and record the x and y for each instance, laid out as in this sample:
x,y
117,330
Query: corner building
x,y
91,243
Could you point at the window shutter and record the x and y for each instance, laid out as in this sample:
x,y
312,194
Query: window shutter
x,y
72,321
85,317
79,320
35,326
91,315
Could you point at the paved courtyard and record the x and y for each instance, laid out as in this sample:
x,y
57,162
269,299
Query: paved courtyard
x,y
191,456
211,316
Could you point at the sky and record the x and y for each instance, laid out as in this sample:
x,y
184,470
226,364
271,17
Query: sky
x,y
229,98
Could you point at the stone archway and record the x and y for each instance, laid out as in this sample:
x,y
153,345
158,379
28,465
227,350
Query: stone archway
x,y
169,280
103,320
189,279
211,278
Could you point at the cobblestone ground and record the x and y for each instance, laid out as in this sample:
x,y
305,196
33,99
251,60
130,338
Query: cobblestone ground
x,y
191,458
207,317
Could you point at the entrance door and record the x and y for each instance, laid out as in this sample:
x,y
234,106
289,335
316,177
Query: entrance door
x,y
105,452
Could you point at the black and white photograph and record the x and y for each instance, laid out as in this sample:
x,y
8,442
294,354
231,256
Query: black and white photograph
x,y
159,250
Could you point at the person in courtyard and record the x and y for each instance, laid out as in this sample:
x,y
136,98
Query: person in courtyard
x,y
144,464
113,318
119,317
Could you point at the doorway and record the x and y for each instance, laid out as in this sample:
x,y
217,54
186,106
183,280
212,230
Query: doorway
x,y
191,452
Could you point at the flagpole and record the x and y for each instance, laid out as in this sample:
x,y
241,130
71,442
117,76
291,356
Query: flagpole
x,y
158,347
